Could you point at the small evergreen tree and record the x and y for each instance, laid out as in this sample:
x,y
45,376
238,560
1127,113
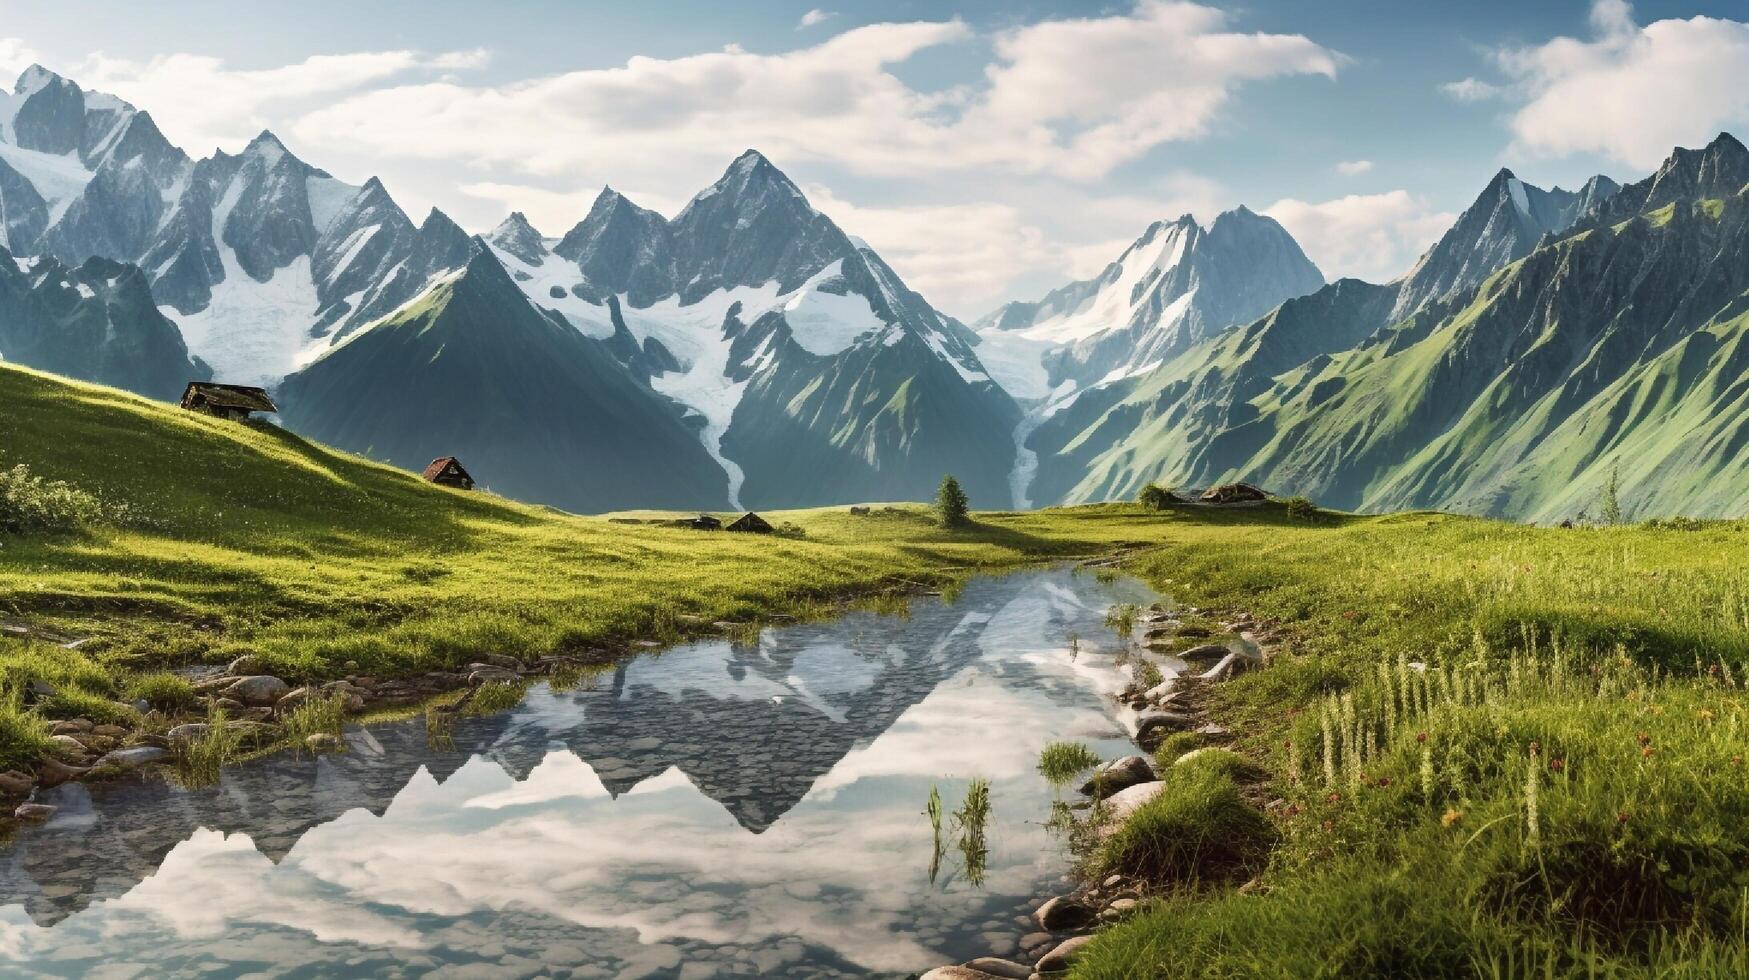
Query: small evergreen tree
x,y
951,503
1611,503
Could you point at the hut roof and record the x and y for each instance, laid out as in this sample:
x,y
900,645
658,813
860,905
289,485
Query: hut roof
x,y
229,396
1233,492
440,464
704,522
751,522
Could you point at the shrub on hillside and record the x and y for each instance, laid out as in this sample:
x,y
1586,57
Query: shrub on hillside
x,y
1302,509
30,504
1154,496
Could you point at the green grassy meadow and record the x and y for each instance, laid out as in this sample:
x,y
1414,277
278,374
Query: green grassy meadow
x,y
247,539
1491,750
1480,749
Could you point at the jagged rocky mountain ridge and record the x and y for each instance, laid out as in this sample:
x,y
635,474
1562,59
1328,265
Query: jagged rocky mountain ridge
x,y
811,371
97,321
803,370
806,368
1608,343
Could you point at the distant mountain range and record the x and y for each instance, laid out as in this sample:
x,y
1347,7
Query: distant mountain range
x,y
747,352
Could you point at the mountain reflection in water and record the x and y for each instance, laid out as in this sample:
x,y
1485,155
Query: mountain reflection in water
x,y
709,811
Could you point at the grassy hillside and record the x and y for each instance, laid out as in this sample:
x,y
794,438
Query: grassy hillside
x,y
247,538
1560,793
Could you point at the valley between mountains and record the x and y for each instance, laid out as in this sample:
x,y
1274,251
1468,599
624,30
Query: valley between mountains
x,y
747,352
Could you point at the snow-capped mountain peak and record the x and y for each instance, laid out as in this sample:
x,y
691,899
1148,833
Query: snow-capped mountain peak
x,y
520,238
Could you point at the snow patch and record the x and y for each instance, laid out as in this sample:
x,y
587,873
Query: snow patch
x,y
253,333
539,281
58,178
1520,199
355,244
1111,307
327,198
825,323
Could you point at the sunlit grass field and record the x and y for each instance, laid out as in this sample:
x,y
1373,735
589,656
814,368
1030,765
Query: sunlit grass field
x,y
1490,749
1493,750
247,539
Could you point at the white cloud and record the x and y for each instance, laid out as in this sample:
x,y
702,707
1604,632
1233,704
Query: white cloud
x,y
961,256
814,18
1375,237
1166,72
15,57
200,102
1354,168
1631,92
1472,89
553,212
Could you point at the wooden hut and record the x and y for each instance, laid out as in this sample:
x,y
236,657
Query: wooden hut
x,y
234,402
1233,493
751,523
705,522
447,471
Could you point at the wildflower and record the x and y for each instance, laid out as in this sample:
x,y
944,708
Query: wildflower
x,y
1646,753
1736,760
1333,798
1293,811
1452,816
1535,747
1384,780
1558,765
1621,817
1642,738
1329,825
1422,738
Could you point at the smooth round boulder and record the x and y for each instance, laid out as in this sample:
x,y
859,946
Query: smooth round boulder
x,y
995,966
1119,806
249,664
1117,775
956,973
1062,912
258,690
1161,722
15,783
323,741
1063,955
487,674
183,734
134,758
33,811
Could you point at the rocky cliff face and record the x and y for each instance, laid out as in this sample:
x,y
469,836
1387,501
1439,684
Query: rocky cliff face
x,y
96,322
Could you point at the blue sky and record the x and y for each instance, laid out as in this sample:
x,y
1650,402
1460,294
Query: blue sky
x,y
988,150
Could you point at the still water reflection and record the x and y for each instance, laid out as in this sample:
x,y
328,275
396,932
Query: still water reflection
x,y
710,811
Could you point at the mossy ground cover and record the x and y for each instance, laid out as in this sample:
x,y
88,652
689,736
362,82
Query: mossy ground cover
x,y
1492,750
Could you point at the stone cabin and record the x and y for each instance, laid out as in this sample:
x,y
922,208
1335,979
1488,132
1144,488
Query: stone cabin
x,y
447,471
234,402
